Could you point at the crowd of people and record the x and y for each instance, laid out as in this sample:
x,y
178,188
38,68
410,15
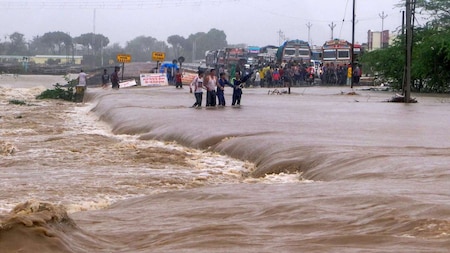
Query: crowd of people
x,y
286,74
293,73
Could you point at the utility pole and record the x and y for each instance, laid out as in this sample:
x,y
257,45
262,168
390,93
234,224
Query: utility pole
x,y
332,26
382,16
280,37
194,48
309,25
353,44
93,37
409,36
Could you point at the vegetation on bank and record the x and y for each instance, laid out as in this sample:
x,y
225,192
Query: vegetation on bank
x,y
431,53
59,92
65,92
17,102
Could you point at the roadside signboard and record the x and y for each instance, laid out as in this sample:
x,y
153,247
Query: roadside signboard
x,y
149,79
124,58
158,56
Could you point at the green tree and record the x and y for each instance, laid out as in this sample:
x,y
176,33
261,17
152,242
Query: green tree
x,y
37,46
58,42
430,70
437,10
141,48
195,46
198,43
92,41
215,39
178,44
386,64
112,51
18,45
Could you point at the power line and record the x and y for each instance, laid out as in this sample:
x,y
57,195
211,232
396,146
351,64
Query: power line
x,y
110,4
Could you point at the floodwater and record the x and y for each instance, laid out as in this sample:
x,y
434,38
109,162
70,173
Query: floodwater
x,y
138,170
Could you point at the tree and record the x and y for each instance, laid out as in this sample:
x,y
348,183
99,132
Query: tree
x,y
93,41
178,44
141,48
37,46
18,44
197,44
215,39
386,63
112,51
438,10
430,69
58,42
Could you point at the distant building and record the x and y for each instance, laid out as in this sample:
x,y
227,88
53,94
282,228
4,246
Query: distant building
x,y
42,59
377,39
58,59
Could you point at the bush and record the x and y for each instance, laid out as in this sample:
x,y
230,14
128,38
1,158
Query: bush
x,y
64,93
17,102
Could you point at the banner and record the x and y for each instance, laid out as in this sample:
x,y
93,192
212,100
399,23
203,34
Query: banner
x,y
127,83
149,79
187,78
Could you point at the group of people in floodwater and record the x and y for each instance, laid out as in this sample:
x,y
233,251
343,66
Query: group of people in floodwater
x,y
286,74
215,86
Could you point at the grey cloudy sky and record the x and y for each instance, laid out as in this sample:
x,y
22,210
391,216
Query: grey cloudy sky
x,y
254,22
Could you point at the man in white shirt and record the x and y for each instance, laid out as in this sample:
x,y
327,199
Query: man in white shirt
x,y
82,78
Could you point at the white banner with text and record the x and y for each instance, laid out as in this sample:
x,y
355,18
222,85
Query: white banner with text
x,y
149,79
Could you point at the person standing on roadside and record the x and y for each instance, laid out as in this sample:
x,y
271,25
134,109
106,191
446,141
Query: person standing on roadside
x,y
349,75
178,79
221,88
115,78
105,78
197,87
82,78
257,79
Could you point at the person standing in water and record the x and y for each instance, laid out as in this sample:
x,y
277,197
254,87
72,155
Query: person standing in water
x,y
115,78
105,78
197,87
210,83
237,90
221,88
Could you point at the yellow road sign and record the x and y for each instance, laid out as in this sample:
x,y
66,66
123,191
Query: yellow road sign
x,y
158,56
124,58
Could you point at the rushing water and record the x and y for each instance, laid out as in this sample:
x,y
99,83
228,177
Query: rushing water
x,y
138,170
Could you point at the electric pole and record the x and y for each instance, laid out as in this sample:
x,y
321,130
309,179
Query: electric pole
x,y
309,25
409,37
332,26
280,37
352,51
382,16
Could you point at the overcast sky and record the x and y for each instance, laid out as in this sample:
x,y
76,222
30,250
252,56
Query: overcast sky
x,y
253,22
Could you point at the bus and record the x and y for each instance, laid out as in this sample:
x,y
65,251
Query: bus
x,y
294,50
211,58
337,52
252,55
